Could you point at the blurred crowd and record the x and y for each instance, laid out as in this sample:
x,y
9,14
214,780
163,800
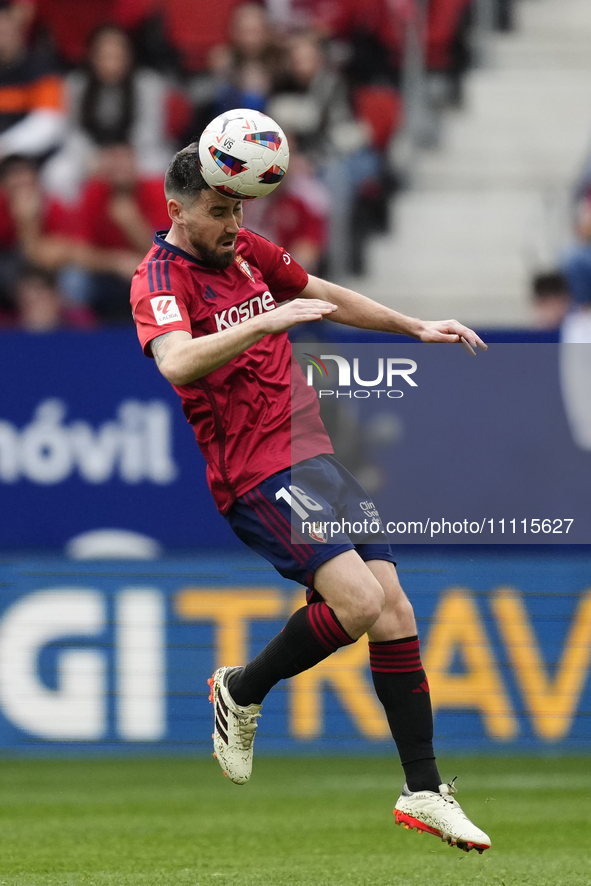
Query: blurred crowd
x,y
562,295
96,95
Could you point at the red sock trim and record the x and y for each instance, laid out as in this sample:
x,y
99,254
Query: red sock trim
x,y
326,627
395,657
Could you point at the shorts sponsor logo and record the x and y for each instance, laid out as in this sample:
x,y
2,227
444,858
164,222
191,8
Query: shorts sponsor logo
x,y
165,309
244,311
370,510
287,258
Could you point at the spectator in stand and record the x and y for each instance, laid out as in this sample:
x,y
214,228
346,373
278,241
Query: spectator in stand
x,y
31,94
246,66
448,49
295,215
312,101
66,26
312,104
241,71
576,263
119,213
33,227
372,31
192,29
551,300
575,361
40,306
111,101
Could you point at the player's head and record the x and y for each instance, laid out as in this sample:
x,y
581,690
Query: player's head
x,y
206,221
183,179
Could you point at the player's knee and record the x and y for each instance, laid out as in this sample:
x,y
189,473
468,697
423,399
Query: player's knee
x,y
366,608
404,610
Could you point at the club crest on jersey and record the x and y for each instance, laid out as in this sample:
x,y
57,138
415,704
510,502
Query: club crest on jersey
x,y
318,532
244,267
165,309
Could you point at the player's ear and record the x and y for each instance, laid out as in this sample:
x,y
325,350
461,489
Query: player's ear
x,y
175,210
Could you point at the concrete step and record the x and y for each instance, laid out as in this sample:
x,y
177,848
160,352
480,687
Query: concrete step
x,y
490,205
545,52
562,19
514,130
444,259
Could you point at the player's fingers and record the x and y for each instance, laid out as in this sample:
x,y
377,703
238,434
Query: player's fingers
x,y
315,312
305,316
470,337
316,303
452,338
467,346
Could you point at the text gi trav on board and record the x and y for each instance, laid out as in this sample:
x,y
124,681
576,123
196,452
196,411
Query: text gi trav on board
x,y
388,372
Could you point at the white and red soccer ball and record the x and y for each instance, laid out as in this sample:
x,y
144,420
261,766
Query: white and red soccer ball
x,y
243,154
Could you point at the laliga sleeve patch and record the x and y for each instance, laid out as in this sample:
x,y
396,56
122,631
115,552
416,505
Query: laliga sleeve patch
x,y
165,309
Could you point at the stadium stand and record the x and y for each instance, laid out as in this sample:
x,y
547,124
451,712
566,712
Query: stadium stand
x,y
363,89
31,92
490,207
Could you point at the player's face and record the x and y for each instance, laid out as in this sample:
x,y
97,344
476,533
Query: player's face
x,y
211,225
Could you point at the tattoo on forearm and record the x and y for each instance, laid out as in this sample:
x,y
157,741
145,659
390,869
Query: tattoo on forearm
x,y
157,347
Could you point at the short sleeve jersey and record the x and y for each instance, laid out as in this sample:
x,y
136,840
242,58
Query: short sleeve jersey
x,y
242,413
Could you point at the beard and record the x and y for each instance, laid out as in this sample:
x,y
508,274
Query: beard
x,y
213,259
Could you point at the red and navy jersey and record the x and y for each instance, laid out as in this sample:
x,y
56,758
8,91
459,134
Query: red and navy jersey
x,y
244,412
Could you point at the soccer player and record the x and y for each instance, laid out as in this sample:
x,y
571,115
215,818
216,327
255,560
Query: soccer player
x,y
213,303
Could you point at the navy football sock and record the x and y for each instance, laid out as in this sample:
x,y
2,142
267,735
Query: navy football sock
x,y
402,687
311,635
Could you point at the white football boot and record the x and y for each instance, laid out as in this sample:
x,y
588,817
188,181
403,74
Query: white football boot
x,y
234,728
441,815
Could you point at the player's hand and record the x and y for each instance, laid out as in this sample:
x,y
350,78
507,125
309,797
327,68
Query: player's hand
x,y
453,332
300,310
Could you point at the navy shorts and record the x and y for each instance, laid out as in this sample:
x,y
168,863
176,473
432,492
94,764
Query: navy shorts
x,y
307,514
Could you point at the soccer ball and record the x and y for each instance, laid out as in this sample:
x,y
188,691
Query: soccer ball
x,y
243,154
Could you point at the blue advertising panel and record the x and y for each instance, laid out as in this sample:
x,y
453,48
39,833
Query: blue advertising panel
x,y
115,657
458,449
492,449
93,437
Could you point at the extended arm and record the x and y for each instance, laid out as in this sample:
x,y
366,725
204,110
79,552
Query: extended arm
x,y
357,310
182,359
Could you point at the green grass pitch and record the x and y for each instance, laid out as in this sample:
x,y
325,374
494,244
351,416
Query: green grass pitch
x,y
299,822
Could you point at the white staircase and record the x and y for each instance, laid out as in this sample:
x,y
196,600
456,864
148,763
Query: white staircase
x,y
489,206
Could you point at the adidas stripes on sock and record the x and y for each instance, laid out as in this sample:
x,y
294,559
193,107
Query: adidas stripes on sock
x,y
311,635
402,687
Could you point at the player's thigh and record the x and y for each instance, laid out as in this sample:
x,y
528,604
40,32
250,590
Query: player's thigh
x,y
397,617
264,518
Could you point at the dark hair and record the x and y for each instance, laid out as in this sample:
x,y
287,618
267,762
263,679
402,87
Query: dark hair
x,y
183,176
550,283
102,130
